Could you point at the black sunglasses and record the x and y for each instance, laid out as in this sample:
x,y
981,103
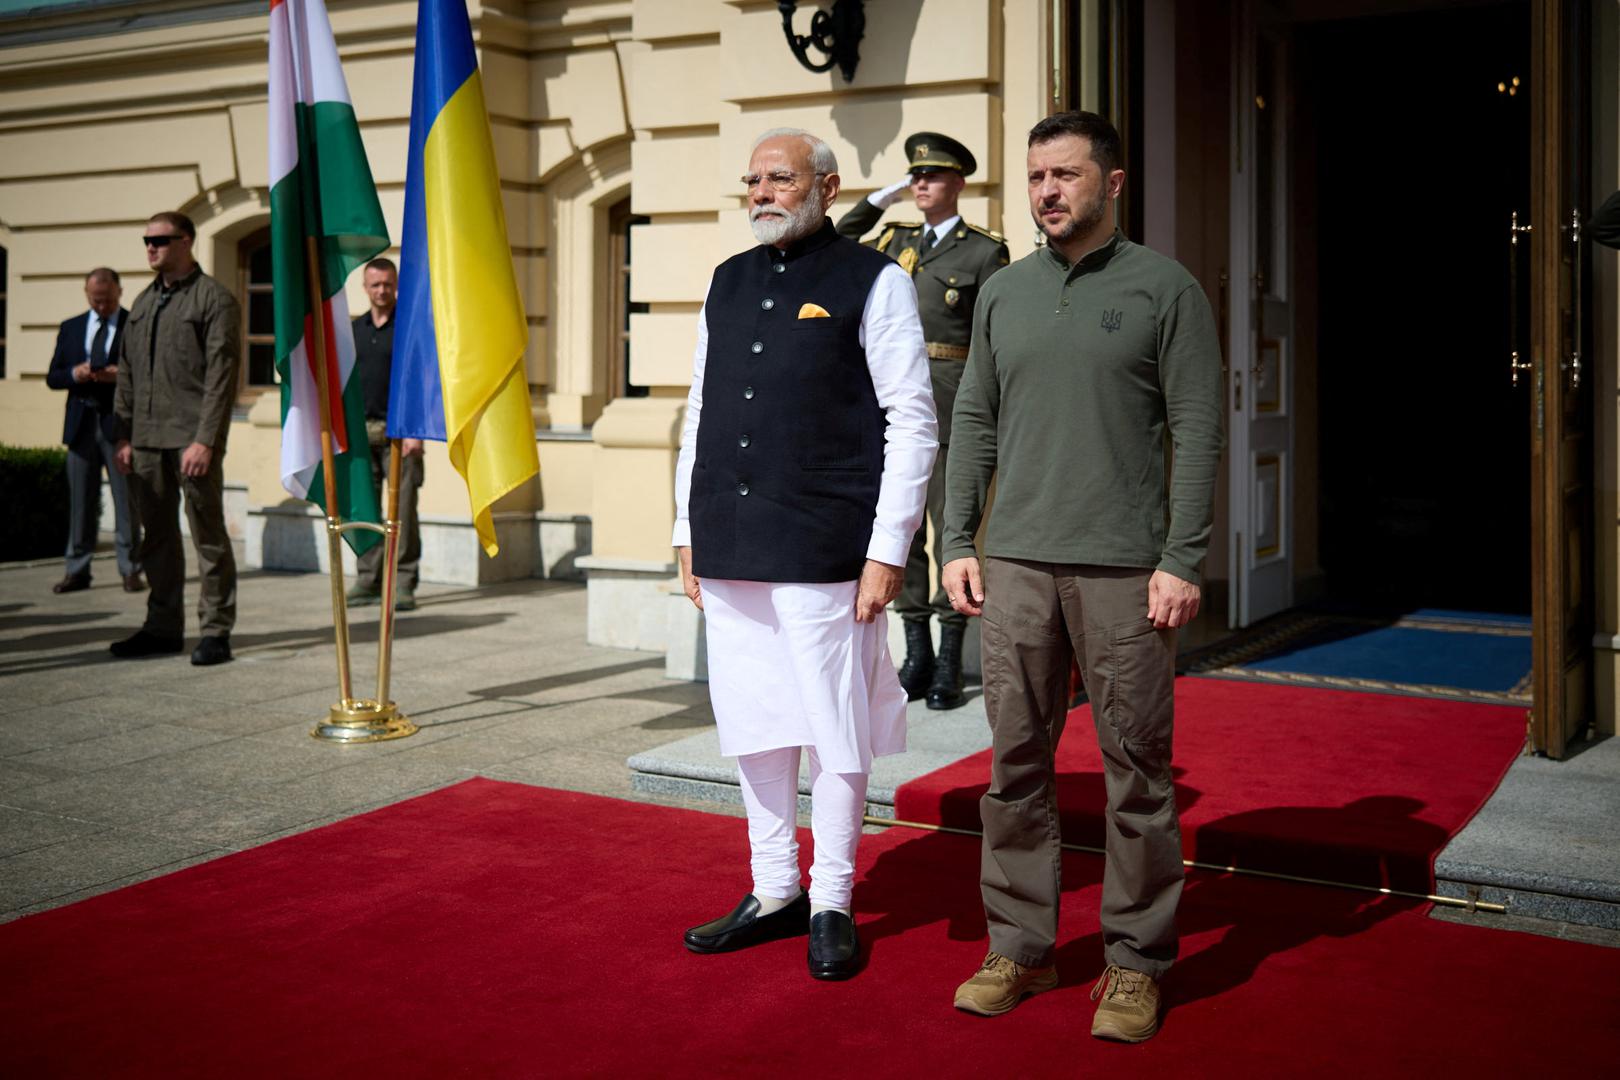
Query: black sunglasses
x,y
158,241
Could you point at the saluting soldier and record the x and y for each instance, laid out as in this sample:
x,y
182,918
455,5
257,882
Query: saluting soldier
x,y
948,260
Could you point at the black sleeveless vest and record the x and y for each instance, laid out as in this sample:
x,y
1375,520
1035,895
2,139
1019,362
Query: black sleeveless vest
x,y
790,440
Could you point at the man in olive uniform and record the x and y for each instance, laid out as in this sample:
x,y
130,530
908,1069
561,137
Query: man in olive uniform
x,y
948,260
176,383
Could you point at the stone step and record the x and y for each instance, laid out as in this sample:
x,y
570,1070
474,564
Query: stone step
x,y
692,768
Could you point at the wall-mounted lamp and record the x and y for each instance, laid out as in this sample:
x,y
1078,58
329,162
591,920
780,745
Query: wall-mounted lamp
x,y
836,35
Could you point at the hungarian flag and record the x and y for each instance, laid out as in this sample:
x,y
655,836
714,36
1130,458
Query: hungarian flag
x,y
320,188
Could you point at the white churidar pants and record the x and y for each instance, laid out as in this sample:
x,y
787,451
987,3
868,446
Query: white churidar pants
x,y
789,667
770,789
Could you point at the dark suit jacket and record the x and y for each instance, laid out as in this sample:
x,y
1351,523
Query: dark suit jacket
x,y
87,402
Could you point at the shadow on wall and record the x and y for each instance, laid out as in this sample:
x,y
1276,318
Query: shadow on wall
x,y
869,124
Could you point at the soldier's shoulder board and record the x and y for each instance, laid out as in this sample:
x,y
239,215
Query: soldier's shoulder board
x,y
991,233
905,225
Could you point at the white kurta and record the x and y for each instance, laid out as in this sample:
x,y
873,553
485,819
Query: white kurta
x,y
788,663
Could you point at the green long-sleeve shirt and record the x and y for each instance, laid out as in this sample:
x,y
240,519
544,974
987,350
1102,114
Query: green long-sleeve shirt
x,y
1074,376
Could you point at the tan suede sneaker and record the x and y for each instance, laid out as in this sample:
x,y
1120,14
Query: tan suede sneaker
x,y
1000,984
1129,1010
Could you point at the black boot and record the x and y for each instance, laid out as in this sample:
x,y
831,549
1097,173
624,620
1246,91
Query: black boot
x,y
918,669
945,691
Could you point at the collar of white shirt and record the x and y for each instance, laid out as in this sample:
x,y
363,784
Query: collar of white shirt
x,y
943,229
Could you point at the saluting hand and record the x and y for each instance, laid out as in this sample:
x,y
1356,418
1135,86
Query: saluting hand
x,y
689,582
887,197
880,583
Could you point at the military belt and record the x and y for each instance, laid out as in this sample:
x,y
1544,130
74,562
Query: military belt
x,y
936,351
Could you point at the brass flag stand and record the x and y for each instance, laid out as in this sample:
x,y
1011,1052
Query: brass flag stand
x,y
354,720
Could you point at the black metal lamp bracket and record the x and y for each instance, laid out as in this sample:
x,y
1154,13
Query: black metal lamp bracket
x,y
836,35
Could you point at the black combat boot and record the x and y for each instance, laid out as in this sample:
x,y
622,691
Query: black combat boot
x,y
945,691
919,666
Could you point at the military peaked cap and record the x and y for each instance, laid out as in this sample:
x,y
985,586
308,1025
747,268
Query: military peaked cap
x,y
929,151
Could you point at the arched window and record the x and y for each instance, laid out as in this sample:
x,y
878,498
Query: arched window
x,y
620,307
255,291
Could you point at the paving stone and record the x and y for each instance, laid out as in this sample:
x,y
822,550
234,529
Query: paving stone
x,y
89,755
15,777
122,795
231,822
25,830
570,769
254,765
46,726
48,873
109,886
338,791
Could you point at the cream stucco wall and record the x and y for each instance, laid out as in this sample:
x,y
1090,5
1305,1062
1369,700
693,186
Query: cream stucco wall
x,y
590,103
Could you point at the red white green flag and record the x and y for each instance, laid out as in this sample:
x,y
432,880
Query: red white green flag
x,y
320,187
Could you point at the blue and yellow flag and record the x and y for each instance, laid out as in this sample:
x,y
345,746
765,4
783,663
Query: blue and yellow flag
x,y
458,372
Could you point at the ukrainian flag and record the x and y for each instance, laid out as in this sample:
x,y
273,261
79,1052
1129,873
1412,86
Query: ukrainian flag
x,y
458,373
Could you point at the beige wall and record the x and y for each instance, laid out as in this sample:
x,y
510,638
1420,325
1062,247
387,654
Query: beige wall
x,y
657,101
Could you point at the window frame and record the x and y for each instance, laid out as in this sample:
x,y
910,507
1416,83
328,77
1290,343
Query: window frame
x,y
619,306
246,288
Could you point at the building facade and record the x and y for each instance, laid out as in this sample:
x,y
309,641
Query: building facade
x,y
1259,154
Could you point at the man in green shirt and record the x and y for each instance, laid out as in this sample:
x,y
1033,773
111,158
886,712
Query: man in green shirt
x,y
1086,354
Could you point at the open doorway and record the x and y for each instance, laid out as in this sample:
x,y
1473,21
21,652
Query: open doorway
x,y
1420,124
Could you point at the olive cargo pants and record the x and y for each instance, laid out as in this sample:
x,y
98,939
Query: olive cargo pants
x,y
1034,614
157,486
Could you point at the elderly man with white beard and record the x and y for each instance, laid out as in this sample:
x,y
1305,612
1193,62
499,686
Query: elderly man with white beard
x,y
809,438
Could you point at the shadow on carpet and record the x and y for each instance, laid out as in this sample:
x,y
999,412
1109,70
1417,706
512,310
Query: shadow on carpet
x,y
1358,788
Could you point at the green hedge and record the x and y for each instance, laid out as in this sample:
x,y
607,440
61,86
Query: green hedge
x,y
34,493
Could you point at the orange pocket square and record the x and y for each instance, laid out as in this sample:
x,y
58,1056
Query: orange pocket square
x,y
813,311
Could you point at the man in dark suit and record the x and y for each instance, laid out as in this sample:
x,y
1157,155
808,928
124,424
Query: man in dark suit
x,y
85,365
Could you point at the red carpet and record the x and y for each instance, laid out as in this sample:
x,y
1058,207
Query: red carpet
x,y
1362,788
503,930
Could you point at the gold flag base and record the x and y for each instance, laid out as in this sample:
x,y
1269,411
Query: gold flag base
x,y
363,721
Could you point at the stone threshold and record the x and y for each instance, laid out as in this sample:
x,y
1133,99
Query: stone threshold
x,y
1567,900
693,768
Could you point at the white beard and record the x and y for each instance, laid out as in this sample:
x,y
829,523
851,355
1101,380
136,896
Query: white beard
x,y
773,225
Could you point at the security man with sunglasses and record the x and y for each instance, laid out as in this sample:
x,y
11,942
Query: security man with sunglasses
x,y
176,383
949,261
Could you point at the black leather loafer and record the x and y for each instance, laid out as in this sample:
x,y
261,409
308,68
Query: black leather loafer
x,y
142,643
745,926
835,951
213,649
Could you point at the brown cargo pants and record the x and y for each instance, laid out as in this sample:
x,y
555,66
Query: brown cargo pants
x,y
1034,614
157,486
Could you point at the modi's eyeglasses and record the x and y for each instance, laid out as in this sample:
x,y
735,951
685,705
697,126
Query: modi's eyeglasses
x,y
780,181
158,241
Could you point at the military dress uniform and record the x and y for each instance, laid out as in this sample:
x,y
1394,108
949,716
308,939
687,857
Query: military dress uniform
x,y
948,267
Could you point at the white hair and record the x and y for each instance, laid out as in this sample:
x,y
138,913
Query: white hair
x,y
822,158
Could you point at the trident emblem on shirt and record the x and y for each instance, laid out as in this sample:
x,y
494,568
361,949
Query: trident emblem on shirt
x,y
1111,320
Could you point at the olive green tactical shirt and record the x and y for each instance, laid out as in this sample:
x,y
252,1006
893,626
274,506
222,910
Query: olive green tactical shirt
x,y
1074,377
177,372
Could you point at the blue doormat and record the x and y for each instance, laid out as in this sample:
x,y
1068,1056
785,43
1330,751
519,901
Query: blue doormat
x,y
1452,654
